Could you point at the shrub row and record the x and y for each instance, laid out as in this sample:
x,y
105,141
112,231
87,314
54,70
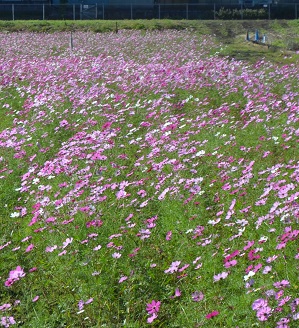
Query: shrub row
x,y
260,13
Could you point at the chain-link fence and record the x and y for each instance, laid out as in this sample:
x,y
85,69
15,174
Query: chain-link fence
x,y
157,11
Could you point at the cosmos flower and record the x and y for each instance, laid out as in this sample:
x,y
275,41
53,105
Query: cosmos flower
x,y
212,314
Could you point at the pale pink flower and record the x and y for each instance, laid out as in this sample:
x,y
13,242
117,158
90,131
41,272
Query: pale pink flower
x,y
122,279
220,276
29,248
5,307
168,235
173,267
67,242
177,293
35,298
116,255
152,318
197,296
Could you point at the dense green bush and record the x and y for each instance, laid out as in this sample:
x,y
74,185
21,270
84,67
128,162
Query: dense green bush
x,y
223,13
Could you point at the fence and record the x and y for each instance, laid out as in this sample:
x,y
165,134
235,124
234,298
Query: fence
x,y
187,11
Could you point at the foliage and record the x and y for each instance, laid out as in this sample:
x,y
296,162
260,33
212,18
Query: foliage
x,y
146,178
246,13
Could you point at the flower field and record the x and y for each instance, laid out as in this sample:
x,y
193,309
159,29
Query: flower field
x,y
145,180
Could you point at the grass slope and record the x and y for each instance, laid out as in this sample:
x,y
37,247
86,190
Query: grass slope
x,y
282,35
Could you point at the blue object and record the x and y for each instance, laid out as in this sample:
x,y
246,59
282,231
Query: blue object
x,y
247,36
256,35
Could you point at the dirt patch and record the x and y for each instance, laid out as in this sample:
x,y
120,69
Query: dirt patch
x,y
252,25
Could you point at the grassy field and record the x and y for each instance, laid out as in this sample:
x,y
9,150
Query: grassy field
x,y
149,177
282,35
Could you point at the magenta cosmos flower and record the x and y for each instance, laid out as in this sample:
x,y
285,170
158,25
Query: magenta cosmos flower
x,y
153,307
212,314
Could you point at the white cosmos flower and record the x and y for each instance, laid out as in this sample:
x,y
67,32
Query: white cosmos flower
x,y
249,275
15,215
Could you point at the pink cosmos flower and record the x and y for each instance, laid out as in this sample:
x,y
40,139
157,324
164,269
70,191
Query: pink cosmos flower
x,y
51,248
279,294
141,193
122,279
267,269
97,248
296,316
271,259
162,195
29,248
36,298
106,125
270,293
259,303
282,284
197,296
264,313
184,267
294,304
249,244
121,194
173,267
80,305
220,276
116,255
63,123
284,300
168,235
177,293
283,323
17,273
98,156
67,242
7,321
144,234
14,276
230,263
152,318
153,307
5,307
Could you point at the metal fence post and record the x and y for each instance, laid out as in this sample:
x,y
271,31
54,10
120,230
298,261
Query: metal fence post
x,y
159,11
96,11
13,11
296,11
74,12
269,11
214,11
187,11
43,11
103,11
71,41
81,11
242,11
131,11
